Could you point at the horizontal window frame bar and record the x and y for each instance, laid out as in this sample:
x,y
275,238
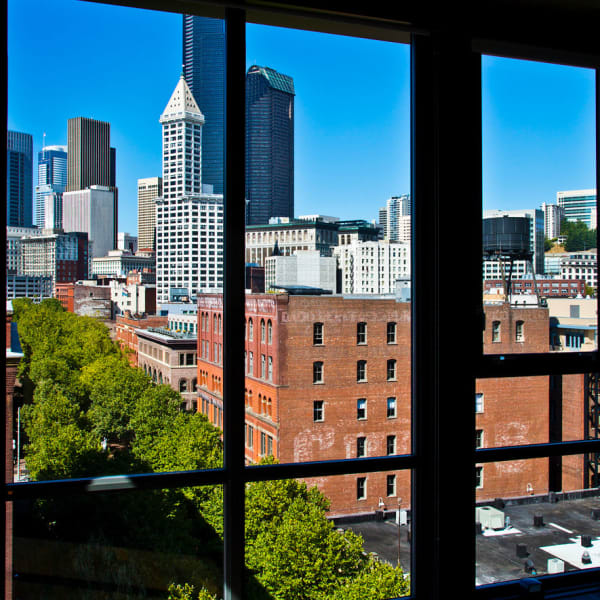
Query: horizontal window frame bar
x,y
524,365
181,479
546,450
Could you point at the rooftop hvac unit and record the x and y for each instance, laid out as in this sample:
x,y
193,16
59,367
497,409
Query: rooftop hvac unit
x,y
489,517
555,565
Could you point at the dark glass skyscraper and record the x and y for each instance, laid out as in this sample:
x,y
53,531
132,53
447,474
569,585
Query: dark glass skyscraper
x,y
204,72
19,175
269,145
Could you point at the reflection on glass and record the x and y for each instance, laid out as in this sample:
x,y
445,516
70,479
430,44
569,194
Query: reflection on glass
x,y
291,540
539,237
118,545
531,530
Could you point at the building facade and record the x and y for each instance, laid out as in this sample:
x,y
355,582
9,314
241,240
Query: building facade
x,y
92,210
328,377
52,182
149,189
119,263
269,145
372,267
204,72
394,217
189,223
13,246
581,265
28,286
169,357
19,179
125,331
579,205
553,215
64,257
304,267
549,288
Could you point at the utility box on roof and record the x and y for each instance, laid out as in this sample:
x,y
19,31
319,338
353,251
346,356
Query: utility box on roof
x,y
489,517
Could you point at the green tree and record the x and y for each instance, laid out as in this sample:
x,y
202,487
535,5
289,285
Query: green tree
x,y
579,237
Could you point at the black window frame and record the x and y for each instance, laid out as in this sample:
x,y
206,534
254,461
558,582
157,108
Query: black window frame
x,y
445,143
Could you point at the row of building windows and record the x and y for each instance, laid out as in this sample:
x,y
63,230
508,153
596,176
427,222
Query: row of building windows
x,y
361,487
361,409
266,330
361,333
266,441
361,371
519,331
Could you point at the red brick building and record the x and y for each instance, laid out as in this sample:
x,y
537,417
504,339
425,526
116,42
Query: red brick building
x,y
125,333
328,377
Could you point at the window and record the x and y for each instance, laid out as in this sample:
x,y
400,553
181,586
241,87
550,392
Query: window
x,y
479,438
391,485
318,412
361,370
361,409
391,333
390,445
318,372
391,370
250,330
361,488
455,126
361,333
519,331
391,408
262,331
361,447
317,334
269,332
496,331
479,402
478,477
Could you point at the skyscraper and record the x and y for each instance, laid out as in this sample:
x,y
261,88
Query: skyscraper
x,y
52,182
269,145
394,217
189,223
91,163
19,175
149,189
89,154
204,72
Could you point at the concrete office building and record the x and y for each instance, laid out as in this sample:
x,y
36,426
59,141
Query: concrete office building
x,y
303,268
19,179
269,145
372,267
118,263
14,235
92,210
149,189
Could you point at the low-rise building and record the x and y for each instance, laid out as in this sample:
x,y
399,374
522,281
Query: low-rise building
x,y
573,324
169,357
28,286
581,265
125,331
118,263
304,267
133,297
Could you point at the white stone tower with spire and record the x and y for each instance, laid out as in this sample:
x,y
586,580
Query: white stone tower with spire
x,y
189,218
182,123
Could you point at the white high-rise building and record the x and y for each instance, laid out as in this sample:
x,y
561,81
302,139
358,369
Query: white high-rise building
x,y
553,215
92,211
189,223
373,267
303,268
394,217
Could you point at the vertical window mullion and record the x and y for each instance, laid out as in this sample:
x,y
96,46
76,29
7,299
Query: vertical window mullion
x,y
234,305
445,156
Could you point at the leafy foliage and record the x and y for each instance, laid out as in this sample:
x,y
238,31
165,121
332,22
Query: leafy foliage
x,y
579,237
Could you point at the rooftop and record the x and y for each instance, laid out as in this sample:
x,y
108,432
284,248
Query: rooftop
x,y
559,542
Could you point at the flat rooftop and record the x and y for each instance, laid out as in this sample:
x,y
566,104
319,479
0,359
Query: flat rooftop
x,y
555,544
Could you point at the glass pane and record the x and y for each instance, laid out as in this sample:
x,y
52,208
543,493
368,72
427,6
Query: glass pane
x,y
121,223
531,531
539,207
134,544
293,536
515,411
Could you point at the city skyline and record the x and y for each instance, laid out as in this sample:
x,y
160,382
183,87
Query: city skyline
x,y
352,115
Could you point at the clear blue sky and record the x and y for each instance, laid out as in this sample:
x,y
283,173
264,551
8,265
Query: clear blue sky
x,y
120,65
